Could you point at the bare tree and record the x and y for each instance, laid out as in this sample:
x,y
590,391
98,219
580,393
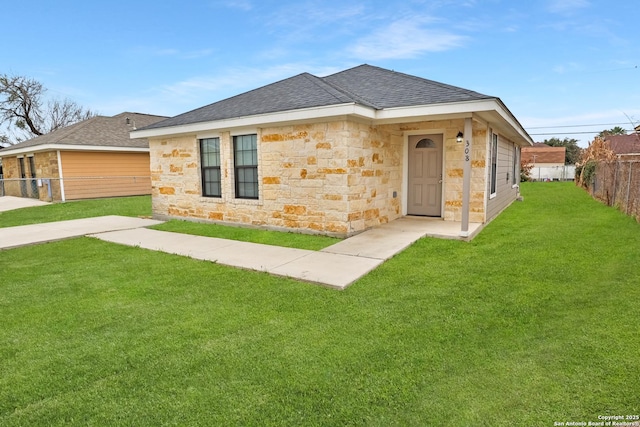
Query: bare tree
x,y
27,114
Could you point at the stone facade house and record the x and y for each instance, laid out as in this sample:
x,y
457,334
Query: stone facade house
x,y
90,159
338,154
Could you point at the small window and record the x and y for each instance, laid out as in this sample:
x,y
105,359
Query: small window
x,y
494,163
210,161
516,166
245,150
426,143
21,170
32,166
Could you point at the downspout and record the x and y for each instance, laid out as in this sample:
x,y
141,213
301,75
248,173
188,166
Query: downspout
x,y
61,176
466,176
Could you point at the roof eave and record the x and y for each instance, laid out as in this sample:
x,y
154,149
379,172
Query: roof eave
x,y
259,120
460,109
490,109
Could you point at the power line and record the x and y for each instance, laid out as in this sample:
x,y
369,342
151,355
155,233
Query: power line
x,y
572,133
577,126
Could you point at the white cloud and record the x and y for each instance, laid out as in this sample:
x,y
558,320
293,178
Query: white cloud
x,y
245,5
178,97
570,67
171,52
232,81
195,54
405,39
567,6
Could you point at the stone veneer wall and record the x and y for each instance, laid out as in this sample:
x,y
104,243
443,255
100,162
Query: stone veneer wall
x,y
10,171
454,163
46,167
336,178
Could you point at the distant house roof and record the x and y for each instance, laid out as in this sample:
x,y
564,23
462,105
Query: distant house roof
x,y
624,144
366,85
543,154
94,133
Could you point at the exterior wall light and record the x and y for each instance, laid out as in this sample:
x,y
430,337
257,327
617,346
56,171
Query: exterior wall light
x,y
459,137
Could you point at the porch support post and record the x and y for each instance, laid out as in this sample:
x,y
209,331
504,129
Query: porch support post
x,y
466,177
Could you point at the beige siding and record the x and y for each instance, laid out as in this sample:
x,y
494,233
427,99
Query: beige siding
x,y
103,174
505,191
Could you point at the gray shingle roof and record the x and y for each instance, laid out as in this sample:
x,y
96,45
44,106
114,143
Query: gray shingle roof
x,y
388,89
365,85
97,131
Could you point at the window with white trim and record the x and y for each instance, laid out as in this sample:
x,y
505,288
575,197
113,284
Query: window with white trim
x,y
516,169
210,164
494,164
245,156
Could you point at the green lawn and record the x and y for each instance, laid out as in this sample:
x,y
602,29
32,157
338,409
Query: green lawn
x,y
535,321
126,206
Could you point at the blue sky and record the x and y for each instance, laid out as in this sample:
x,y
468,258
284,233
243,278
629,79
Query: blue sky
x,y
554,63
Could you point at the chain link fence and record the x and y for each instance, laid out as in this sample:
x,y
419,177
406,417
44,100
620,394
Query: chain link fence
x,y
618,184
75,188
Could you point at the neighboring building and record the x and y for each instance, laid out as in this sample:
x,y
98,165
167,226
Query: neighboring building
x,y
548,163
90,159
338,154
624,144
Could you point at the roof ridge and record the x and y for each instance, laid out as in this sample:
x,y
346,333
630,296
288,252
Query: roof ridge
x,y
319,81
357,98
412,77
238,95
59,134
434,82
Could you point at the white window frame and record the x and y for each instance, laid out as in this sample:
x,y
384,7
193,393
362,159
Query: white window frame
x,y
516,166
493,173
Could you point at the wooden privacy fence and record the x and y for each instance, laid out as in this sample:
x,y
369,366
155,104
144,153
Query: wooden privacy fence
x,y
617,184
75,188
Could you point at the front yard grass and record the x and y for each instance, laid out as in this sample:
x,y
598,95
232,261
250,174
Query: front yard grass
x,y
125,206
534,322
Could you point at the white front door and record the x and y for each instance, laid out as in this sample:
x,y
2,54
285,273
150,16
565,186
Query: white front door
x,y
425,175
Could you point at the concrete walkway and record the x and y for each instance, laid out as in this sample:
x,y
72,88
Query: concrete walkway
x,y
334,270
8,203
23,235
336,266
